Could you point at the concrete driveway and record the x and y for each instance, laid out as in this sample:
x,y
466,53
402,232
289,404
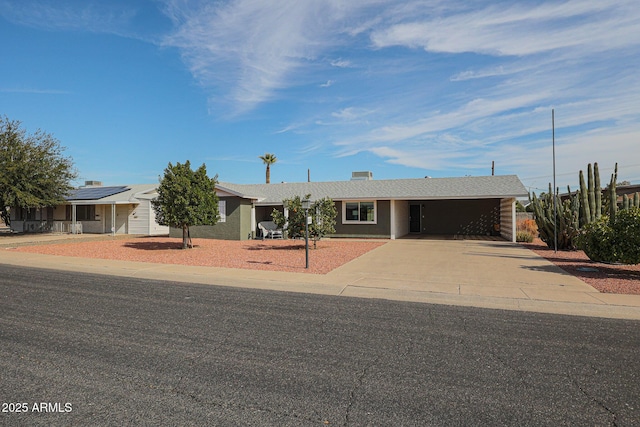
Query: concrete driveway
x,y
493,274
467,267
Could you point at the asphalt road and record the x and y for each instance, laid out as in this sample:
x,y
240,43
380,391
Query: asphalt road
x,y
79,349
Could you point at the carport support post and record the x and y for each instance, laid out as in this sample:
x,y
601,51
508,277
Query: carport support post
x,y
113,219
74,219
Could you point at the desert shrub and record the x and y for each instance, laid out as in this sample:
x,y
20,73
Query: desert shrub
x,y
596,240
524,236
626,229
615,241
528,225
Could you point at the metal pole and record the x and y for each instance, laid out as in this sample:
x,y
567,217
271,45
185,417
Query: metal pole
x,y
555,204
306,237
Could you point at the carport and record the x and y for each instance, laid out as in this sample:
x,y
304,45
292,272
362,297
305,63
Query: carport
x,y
455,217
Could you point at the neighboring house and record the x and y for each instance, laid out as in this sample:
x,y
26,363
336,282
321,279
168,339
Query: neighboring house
x,y
630,190
379,208
93,208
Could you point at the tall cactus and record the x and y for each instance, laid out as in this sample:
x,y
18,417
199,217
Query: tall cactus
x,y
587,205
592,194
585,211
567,219
598,191
613,196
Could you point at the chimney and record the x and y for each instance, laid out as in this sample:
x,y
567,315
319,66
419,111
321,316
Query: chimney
x,y
362,176
93,183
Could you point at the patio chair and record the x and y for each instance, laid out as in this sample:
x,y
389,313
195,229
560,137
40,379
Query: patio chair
x,y
270,230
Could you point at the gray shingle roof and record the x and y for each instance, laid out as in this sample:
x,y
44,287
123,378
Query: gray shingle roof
x,y
482,187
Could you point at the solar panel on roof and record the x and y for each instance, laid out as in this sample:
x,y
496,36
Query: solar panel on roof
x,y
95,193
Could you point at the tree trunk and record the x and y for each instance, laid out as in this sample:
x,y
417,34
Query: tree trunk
x,y
268,175
185,236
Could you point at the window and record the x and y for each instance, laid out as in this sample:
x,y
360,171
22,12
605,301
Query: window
x,y
24,214
359,212
222,209
83,213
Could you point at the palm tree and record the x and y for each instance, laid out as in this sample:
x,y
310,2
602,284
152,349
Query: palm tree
x,y
268,160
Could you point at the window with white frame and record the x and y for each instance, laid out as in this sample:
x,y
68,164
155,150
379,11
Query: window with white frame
x,y
359,212
222,210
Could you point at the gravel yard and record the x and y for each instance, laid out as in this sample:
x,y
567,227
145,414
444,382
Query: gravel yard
x,y
279,255
617,279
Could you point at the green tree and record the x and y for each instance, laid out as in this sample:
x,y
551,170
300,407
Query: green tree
x,y
268,159
186,198
34,173
323,217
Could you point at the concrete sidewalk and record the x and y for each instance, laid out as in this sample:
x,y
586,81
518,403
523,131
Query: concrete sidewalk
x,y
486,274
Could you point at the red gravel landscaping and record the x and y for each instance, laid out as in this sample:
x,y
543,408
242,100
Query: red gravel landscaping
x,y
609,278
278,255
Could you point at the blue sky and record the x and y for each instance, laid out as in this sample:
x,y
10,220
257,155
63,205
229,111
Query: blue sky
x,y
404,89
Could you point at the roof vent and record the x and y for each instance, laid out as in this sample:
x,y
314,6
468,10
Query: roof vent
x,y
93,183
362,176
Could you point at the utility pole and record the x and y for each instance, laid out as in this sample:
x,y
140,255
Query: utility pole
x,y
555,204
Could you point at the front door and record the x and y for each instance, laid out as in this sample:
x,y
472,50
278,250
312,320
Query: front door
x,y
414,218
122,219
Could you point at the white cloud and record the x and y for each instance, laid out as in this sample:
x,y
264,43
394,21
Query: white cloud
x,y
520,29
341,63
250,48
351,113
439,121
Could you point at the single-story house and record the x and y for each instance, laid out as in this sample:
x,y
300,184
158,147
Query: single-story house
x,y
94,208
366,208
371,208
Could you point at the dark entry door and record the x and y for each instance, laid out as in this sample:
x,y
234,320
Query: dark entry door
x,y
414,218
